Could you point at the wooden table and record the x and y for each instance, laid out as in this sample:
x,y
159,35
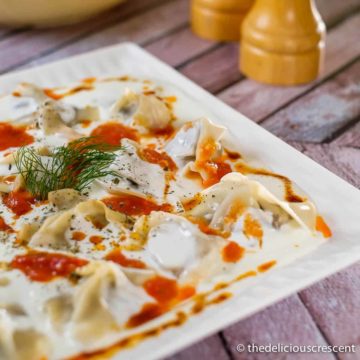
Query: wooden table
x,y
325,115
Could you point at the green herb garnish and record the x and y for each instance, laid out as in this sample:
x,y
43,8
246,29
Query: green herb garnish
x,y
74,166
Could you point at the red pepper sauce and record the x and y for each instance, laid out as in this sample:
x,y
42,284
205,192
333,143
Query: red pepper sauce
x,y
148,312
166,292
85,123
206,229
134,205
13,136
186,292
193,202
4,226
232,155
215,167
266,266
168,132
162,289
97,223
118,257
19,202
160,158
96,239
112,133
216,170
290,195
84,87
89,80
232,252
78,235
323,227
252,228
43,266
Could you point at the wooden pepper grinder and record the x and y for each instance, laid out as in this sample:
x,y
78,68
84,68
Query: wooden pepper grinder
x,y
219,19
283,42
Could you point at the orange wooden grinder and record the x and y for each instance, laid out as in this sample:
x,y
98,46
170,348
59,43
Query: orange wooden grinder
x,y
219,19
282,42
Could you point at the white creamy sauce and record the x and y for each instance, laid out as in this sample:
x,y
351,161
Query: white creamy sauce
x,y
173,246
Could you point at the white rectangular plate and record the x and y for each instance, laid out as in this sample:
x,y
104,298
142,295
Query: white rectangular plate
x,y
338,201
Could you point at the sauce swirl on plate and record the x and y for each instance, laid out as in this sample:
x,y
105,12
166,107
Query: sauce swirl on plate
x,y
43,266
13,136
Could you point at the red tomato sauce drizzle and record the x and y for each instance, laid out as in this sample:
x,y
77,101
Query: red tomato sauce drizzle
x,y
96,239
52,93
323,227
168,132
206,229
43,266
290,195
216,170
266,266
160,158
4,226
119,258
134,205
78,236
215,167
112,133
232,252
166,292
13,136
19,202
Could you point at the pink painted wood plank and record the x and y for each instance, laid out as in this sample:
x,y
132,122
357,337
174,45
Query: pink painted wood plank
x,y
24,46
287,322
258,101
179,47
334,304
343,161
316,116
4,32
215,70
333,11
141,29
210,349
350,138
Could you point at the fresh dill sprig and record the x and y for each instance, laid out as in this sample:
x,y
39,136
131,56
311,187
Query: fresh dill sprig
x,y
74,166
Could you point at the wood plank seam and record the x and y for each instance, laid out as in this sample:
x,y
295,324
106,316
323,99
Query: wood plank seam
x,y
341,131
311,89
317,115
226,345
327,340
6,33
164,35
344,17
127,15
231,83
169,33
206,52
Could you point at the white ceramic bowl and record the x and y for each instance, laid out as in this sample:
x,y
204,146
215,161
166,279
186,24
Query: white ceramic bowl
x,y
50,13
